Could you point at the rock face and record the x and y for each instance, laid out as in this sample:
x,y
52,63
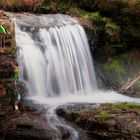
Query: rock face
x,y
28,124
108,121
7,51
7,54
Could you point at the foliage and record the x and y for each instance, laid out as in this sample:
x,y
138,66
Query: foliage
x,y
74,11
102,115
112,30
116,66
21,5
115,71
107,111
123,106
125,6
133,7
114,22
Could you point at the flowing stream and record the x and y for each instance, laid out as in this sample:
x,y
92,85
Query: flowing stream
x,y
56,66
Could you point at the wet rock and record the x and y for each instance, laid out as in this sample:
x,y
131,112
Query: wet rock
x,y
27,134
25,126
22,121
108,121
7,54
2,91
29,123
72,111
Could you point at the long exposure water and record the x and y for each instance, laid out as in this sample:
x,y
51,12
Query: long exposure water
x,y
56,65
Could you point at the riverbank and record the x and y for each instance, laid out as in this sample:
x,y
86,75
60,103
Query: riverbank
x,y
105,121
116,60
99,121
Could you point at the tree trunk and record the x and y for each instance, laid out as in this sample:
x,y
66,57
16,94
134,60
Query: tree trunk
x,y
129,84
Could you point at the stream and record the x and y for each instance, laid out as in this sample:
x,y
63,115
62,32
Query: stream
x,y
57,68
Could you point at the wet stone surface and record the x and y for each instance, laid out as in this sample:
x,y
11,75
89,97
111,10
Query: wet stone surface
x,y
30,123
107,121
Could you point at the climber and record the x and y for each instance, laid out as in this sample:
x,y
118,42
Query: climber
x,y
2,35
16,72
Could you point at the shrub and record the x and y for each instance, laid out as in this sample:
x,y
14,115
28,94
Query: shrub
x,y
21,5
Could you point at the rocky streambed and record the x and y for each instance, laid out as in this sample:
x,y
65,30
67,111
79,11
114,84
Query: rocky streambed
x,y
106,121
30,123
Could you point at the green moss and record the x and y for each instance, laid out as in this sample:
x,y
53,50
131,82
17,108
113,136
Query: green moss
x,y
115,65
108,112
102,115
111,27
75,11
127,106
81,117
95,15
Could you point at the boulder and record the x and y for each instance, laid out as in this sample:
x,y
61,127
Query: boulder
x,y
30,123
106,121
7,54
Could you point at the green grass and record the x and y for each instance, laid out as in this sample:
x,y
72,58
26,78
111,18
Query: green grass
x,y
108,111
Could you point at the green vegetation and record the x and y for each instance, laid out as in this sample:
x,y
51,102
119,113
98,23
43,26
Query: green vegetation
x,y
21,5
115,24
115,65
107,14
108,111
103,115
112,108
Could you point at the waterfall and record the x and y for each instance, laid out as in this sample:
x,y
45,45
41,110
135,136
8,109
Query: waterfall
x,y
55,61
56,66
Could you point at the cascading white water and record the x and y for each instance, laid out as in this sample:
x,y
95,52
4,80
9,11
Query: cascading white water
x,y
56,61
69,66
57,67
61,65
50,66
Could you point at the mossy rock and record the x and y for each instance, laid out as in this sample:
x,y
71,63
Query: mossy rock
x,y
106,121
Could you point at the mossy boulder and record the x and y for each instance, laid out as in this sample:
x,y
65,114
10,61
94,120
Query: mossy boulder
x,y
106,121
